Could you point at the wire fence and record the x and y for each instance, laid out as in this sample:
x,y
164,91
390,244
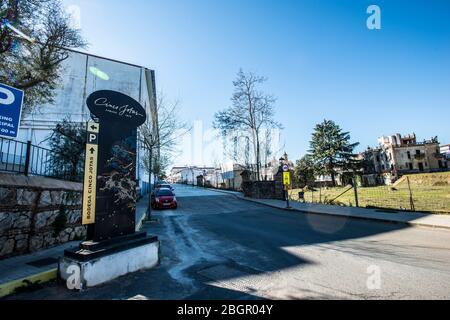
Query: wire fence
x,y
28,159
404,196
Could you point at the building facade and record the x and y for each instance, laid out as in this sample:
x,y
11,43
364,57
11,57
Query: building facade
x,y
397,155
82,74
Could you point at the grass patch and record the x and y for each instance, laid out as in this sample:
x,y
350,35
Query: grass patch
x,y
430,193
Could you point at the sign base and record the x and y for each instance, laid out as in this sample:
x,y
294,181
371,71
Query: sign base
x,y
95,263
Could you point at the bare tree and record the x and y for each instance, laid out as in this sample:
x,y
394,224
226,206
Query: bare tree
x,y
161,136
236,146
251,111
34,66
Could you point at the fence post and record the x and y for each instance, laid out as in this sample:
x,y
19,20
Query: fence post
x,y
320,194
27,158
355,187
411,199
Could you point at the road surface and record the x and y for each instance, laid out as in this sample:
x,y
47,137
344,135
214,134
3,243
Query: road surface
x,y
216,246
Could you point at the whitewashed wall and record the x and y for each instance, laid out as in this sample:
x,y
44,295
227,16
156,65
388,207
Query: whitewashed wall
x,y
77,83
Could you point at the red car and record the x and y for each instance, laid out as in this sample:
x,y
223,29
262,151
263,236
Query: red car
x,y
164,198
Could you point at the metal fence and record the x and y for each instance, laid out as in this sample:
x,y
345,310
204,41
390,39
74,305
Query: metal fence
x,y
28,159
405,196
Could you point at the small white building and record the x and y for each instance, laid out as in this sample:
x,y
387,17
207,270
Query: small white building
x,y
445,151
189,174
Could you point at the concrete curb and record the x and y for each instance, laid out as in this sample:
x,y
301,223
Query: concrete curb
x,y
139,224
142,218
10,287
380,219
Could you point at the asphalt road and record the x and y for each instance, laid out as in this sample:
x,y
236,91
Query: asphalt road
x,y
216,246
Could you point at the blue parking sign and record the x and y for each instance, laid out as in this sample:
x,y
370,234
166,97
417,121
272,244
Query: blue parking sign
x,y
11,100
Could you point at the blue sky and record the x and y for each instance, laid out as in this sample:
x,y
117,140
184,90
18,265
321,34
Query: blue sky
x,y
319,57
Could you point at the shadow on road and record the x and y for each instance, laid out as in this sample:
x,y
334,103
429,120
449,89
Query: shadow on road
x,y
216,246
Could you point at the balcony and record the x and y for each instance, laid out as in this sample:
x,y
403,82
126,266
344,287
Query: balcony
x,y
419,156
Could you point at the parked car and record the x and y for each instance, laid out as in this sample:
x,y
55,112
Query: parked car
x,y
164,198
164,186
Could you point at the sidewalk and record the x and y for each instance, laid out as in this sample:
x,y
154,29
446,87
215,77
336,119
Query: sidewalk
x,y
410,218
34,268
40,267
141,211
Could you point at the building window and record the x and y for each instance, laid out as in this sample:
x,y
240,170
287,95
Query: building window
x,y
418,152
410,166
409,155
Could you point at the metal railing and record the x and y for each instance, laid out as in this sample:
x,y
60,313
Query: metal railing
x,y
28,159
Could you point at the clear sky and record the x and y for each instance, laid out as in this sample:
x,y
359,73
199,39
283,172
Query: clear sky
x,y
319,57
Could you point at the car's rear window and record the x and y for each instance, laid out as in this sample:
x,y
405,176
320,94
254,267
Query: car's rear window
x,y
165,193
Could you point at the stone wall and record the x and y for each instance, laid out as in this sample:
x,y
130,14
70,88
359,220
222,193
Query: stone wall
x,y
259,189
265,189
37,213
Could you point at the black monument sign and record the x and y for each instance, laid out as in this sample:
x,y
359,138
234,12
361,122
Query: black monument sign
x,y
111,228
119,116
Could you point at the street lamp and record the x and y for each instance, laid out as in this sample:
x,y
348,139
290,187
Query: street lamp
x,y
150,186
281,160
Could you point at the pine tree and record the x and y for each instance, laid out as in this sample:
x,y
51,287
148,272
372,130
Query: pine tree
x,y
331,149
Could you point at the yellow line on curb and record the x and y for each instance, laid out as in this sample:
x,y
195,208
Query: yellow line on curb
x,y
10,287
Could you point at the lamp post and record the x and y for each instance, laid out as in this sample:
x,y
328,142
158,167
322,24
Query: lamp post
x,y
149,148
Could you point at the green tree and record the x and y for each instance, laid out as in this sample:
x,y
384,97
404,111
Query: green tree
x,y
305,171
67,143
34,66
331,149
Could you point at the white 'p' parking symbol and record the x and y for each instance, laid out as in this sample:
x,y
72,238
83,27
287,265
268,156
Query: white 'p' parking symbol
x,y
9,99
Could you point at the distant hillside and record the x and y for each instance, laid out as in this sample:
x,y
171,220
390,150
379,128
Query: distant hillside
x,y
425,180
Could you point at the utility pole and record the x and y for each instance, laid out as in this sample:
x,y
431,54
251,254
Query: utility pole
x,y
150,189
288,206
